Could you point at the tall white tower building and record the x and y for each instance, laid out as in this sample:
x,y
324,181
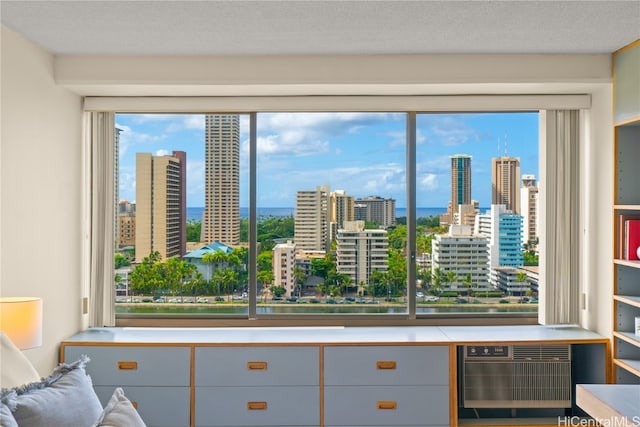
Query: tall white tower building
x,y
284,262
221,216
529,208
361,251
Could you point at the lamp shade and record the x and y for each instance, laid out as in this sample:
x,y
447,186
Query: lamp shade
x,y
21,320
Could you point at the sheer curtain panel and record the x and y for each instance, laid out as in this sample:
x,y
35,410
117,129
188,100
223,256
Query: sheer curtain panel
x,y
560,222
100,204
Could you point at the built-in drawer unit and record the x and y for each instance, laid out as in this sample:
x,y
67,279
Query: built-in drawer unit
x,y
157,379
257,386
386,385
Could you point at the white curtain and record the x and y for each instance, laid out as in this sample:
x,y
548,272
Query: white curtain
x,y
560,217
99,214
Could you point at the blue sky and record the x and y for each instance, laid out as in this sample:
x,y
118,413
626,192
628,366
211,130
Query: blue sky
x,y
361,153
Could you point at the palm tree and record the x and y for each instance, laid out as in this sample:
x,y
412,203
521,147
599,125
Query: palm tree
x,y
437,282
300,278
346,282
265,277
209,259
521,277
467,282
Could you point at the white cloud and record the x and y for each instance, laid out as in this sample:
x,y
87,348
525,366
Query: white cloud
x,y
449,130
127,184
129,137
309,133
185,122
428,182
163,152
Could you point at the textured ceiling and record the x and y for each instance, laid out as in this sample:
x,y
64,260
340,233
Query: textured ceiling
x,y
323,27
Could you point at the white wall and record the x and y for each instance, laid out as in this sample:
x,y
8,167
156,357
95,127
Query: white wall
x,y
597,271
40,192
41,167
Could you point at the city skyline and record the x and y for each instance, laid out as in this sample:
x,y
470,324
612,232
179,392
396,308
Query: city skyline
x,y
361,153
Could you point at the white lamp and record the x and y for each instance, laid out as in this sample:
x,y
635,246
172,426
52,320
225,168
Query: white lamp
x,y
21,321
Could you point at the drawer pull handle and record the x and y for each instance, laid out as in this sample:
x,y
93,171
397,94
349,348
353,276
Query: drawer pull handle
x,y
134,404
386,364
387,405
127,366
257,366
256,406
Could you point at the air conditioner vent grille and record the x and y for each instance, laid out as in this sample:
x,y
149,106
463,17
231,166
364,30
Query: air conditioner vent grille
x,y
541,352
536,377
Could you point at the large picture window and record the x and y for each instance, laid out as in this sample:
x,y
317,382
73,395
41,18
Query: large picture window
x,y
340,215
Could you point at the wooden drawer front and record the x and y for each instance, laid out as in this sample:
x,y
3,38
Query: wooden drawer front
x,y
386,365
158,406
140,366
257,366
257,406
386,406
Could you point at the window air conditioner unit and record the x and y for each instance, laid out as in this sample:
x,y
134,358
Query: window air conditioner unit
x,y
516,376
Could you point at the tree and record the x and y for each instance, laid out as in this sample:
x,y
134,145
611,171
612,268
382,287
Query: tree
x,y
450,278
521,277
193,230
277,291
468,282
216,258
120,260
300,277
397,272
148,276
346,282
322,267
265,261
209,260
437,281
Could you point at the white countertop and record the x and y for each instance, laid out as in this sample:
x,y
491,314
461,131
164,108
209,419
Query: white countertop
x,y
337,335
611,404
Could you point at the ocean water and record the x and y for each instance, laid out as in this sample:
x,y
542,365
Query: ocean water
x,y
195,213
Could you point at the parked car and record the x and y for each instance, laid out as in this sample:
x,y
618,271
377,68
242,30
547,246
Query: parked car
x,y
431,298
202,300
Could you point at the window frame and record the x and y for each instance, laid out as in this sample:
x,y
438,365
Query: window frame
x,y
254,105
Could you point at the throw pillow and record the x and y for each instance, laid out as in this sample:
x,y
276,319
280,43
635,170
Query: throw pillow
x,y
65,398
119,412
6,417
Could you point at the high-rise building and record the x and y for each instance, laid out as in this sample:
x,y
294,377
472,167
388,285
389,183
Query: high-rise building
x,y
116,184
312,219
376,209
529,208
126,224
503,228
341,210
158,212
465,254
460,181
182,156
361,251
460,190
284,263
221,216
505,182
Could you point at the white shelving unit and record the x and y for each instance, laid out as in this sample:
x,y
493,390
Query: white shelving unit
x,y
626,295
